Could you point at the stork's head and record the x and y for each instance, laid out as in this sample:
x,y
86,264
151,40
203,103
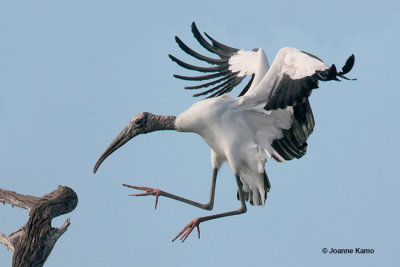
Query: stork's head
x,y
144,122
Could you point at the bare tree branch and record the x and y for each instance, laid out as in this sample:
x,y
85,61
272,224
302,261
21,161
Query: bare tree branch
x,y
6,241
18,200
32,243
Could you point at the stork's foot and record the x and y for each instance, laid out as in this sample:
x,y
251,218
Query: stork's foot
x,y
149,192
188,229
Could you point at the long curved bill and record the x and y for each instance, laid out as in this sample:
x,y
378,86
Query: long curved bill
x,y
126,134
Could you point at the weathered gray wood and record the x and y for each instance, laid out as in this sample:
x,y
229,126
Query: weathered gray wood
x,y
32,243
18,200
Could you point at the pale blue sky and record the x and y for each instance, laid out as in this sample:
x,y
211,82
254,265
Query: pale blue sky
x,y
72,74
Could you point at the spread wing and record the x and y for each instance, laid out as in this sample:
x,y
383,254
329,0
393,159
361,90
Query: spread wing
x,y
227,72
288,85
298,76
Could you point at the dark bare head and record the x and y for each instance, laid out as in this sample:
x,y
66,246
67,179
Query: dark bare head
x,y
144,122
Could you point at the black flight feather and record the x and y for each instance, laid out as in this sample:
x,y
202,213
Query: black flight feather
x,y
202,77
201,69
212,82
222,47
205,44
194,54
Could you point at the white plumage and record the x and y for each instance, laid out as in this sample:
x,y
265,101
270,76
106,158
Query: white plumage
x,y
239,133
240,130
271,117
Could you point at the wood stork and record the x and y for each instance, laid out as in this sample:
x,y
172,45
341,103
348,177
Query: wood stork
x,y
271,117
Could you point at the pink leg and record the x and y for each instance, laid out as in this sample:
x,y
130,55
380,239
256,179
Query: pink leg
x,y
150,192
196,222
158,192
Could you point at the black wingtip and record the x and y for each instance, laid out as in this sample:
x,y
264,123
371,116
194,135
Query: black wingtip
x,y
211,48
348,65
332,73
198,56
221,46
174,59
347,68
225,81
194,27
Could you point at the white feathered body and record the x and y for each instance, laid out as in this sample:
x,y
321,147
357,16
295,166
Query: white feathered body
x,y
239,134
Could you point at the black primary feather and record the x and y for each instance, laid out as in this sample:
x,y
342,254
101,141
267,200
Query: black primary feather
x,y
201,69
247,87
205,44
211,83
220,46
348,65
194,54
224,79
202,77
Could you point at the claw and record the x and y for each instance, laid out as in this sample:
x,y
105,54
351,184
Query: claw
x,y
149,192
188,229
